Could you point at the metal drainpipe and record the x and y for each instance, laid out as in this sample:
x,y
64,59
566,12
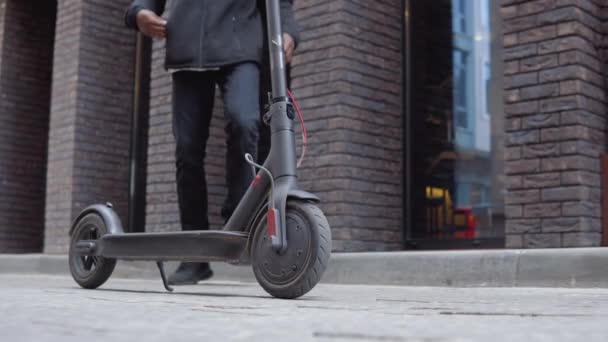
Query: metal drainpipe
x,y
139,136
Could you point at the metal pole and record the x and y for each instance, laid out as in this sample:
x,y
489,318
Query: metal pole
x,y
137,157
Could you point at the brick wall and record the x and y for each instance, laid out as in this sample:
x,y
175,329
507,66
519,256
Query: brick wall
x,y
90,114
603,45
2,23
347,77
26,45
555,122
603,6
161,196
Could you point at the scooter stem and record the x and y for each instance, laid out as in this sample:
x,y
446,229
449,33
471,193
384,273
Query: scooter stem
x,y
282,157
275,45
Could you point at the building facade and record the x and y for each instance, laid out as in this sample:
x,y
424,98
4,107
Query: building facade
x,y
432,124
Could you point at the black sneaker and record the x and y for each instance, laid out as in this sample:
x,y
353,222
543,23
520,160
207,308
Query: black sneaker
x,y
190,273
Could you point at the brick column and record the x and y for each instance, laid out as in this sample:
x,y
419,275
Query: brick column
x,y
90,114
26,49
555,123
347,75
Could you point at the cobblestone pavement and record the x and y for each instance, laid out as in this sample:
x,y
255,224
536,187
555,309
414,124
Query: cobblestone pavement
x,y
44,308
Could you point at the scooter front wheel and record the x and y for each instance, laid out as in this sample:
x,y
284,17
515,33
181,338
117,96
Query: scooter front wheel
x,y
295,272
89,272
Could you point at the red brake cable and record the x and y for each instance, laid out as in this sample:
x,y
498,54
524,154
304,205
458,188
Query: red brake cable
x,y
303,124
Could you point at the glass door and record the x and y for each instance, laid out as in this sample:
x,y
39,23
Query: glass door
x,y
453,124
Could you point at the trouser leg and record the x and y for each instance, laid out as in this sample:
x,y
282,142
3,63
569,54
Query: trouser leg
x,y
240,90
193,94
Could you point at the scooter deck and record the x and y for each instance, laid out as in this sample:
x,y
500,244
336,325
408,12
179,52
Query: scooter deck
x,y
168,246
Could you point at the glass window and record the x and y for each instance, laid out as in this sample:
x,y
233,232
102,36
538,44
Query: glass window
x,y
460,88
459,9
487,78
454,132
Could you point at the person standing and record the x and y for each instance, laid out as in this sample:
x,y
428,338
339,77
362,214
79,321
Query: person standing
x,y
209,43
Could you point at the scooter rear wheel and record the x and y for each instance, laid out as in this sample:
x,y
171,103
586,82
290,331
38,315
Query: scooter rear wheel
x,y
89,272
295,272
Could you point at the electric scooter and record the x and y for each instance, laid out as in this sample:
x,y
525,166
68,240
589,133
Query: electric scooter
x,y
276,226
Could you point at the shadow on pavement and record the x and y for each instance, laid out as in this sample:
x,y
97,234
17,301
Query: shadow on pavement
x,y
203,294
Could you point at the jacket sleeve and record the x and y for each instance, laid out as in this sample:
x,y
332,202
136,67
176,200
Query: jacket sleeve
x,y
288,20
156,6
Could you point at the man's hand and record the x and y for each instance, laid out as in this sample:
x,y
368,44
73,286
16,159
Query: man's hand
x,y
151,24
289,45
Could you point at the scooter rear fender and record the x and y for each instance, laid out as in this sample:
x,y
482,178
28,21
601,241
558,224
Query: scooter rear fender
x,y
108,215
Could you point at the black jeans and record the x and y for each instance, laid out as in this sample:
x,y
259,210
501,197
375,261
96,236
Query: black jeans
x,y
193,97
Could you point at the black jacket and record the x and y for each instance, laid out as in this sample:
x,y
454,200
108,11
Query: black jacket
x,y
212,33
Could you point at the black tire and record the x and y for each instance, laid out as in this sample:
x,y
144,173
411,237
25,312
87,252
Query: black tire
x,y
301,267
89,272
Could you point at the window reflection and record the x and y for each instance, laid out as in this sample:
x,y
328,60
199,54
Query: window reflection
x,y
455,129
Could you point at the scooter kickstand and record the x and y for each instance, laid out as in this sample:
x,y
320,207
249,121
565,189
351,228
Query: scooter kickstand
x,y
161,268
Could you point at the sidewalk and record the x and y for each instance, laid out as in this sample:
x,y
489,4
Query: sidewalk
x,y
45,308
577,268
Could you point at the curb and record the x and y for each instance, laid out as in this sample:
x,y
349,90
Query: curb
x,y
578,267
